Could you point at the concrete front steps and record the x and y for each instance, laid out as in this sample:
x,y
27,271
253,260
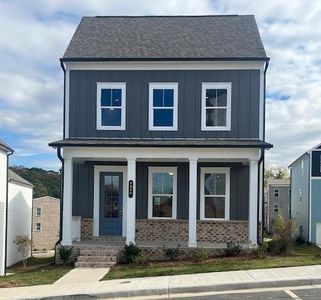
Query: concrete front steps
x,y
101,253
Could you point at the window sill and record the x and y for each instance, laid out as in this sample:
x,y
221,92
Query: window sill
x,y
110,128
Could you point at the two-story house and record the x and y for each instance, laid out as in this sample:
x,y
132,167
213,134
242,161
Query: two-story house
x,y
278,200
305,206
164,130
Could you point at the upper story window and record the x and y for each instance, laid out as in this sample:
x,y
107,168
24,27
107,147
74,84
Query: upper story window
x,y
163,98
215,193
111,105
216,106
162,192
276,193
38,211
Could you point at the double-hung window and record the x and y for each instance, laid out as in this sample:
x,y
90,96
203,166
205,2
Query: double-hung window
x,y
215,194
162,192
111,105
38,227
216,106
163,98
276,208
38,211
276,193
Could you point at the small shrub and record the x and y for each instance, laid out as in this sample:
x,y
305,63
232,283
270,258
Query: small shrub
x,y
277,247
232,249
23,245
261,251
199,255
172,253
285,231
141,260
131,251
65,253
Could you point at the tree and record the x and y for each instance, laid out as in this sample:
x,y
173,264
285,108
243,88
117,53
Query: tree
x,y
276,173
23,245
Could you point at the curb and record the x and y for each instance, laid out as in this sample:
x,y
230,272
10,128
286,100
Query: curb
x,y
171,291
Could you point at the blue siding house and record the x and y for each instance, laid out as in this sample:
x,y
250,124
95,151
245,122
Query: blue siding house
x,y
164,134
306,194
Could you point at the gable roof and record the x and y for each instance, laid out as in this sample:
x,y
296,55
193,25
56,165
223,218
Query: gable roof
x,y
5,147
12,176
227,37
305,153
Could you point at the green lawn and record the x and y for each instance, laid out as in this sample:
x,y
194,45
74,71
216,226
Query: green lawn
x,y
38,271
303,255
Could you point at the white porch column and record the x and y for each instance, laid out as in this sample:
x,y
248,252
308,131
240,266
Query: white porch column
x,y
192,230
253,198
131,201
67,203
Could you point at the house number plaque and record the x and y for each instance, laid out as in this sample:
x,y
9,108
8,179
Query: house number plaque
x,y
130,189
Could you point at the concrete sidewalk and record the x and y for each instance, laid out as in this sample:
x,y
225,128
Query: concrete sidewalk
x,y
167,286
81,276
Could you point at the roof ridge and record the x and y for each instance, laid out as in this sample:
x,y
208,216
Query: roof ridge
x,y
164,16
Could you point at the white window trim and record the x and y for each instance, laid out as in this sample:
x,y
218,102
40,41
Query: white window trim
x,y
38,215
226,171
111,85
163,85
36,229
152,170
216,85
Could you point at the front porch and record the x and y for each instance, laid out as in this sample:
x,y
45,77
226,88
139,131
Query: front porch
x,y
189,214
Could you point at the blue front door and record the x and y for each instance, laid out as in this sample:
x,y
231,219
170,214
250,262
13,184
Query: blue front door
x,y
111,203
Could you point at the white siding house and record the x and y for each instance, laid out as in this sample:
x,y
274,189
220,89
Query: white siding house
x,y
4,152
19,213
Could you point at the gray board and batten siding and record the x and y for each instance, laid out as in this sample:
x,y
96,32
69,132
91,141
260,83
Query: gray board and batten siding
x,y
244,107
83,188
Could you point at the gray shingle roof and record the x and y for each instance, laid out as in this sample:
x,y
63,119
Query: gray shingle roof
x,y
12,176
5,147
109,142
166,38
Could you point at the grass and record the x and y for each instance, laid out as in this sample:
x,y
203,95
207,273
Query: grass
x,y
38,271
303,255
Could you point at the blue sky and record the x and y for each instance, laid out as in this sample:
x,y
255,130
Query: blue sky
x,y
34,35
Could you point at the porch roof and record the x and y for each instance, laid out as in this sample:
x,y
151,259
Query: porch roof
x,y
156,142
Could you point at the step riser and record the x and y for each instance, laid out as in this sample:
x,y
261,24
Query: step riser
x,y
111,259
93,265
98,253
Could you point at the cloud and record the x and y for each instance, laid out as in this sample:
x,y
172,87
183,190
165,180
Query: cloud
x,y
35,34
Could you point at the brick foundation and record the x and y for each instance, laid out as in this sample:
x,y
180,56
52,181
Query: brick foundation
x,y
162,230
222,231
218,232
86,229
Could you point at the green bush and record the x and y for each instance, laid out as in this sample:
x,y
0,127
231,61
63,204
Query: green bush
x,y
277,247
199,255
284,233
65,253
172,253
141,260
261,251
232,249
131,252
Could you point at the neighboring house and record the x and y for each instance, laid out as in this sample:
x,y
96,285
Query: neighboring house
x,y
278,200
19,213
164,130
46,222
5,151
305,206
